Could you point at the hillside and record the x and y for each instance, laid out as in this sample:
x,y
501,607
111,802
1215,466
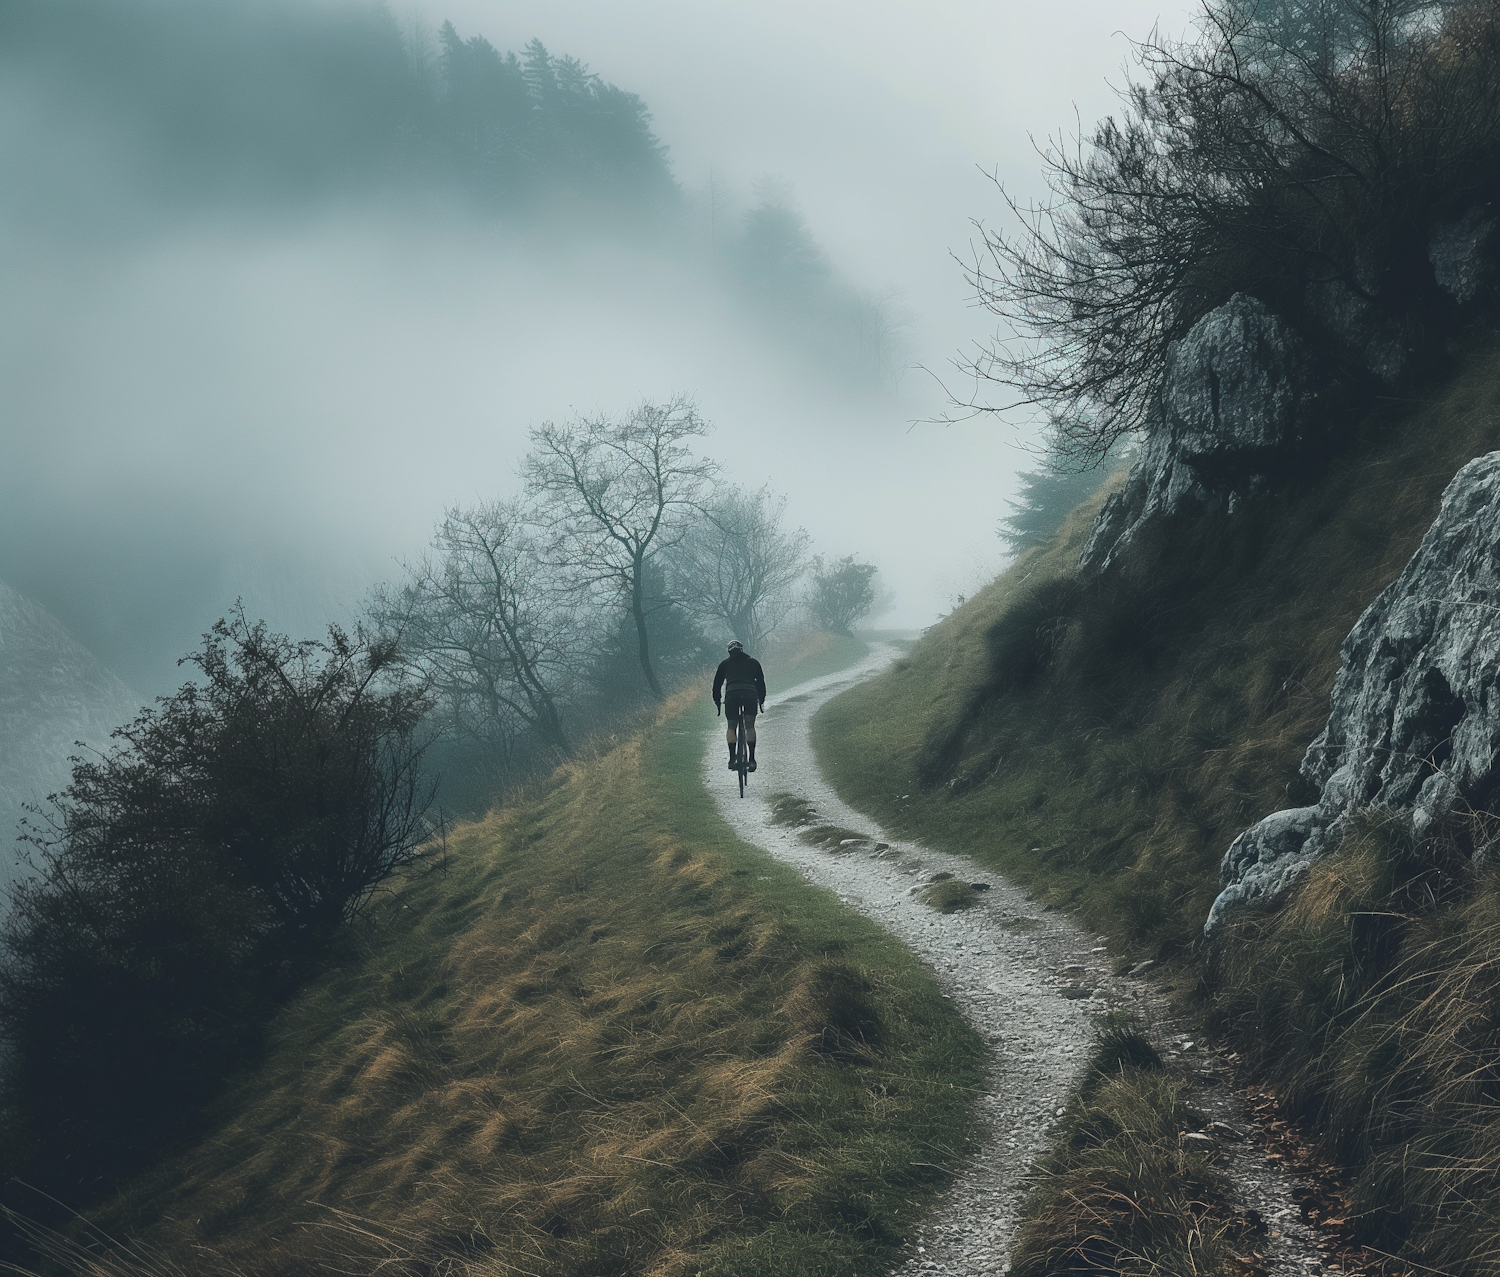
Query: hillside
x,y
1104,738
603,1036
53,694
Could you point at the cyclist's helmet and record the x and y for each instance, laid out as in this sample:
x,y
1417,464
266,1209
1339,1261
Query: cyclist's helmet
x,y
736,646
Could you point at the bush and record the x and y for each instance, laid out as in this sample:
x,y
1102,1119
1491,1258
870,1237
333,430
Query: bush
x,y
1303,153
189,877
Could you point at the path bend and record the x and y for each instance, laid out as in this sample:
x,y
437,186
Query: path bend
x,y
1014,970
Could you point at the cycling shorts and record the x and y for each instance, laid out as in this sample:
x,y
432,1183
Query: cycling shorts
x,y
735,702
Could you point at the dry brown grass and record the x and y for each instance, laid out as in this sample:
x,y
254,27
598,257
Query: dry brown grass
x,y
605,1038
1371,1002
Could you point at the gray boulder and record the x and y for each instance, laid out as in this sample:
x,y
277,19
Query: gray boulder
x,y
53,692
1461,253
1414,719
1234,403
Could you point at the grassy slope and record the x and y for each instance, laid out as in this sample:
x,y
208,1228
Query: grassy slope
x,y
1161,717
1106,744
606,1037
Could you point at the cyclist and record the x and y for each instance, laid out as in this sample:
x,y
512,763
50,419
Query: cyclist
x,y
743,687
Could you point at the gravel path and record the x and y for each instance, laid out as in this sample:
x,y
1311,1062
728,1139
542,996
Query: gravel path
x,y
1026,978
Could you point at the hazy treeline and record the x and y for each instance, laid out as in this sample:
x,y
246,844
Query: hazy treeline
x,y
272,99
126,111
622,566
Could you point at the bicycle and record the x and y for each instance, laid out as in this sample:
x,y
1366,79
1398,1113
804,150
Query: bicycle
x,y
741,750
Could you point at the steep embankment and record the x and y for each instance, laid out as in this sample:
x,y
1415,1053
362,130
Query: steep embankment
x,y
1105,738
602,1035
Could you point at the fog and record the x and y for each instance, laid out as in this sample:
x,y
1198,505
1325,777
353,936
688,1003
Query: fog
x,y
202,399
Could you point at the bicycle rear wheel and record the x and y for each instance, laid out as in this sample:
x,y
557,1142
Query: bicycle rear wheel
x,y
741,752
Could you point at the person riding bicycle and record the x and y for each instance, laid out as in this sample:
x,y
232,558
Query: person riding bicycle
x,y
744,691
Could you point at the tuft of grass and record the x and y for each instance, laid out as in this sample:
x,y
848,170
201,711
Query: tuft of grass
x,y
604,1037
949,895
829,837
1120,1191
791,809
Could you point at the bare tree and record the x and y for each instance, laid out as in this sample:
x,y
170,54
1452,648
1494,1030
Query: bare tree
x,y
1287,144
614,494
738,563
493,634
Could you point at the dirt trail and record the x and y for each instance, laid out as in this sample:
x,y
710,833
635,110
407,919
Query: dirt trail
x,y
1027,979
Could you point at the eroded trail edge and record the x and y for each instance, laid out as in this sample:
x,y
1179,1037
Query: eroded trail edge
x,y
1027,979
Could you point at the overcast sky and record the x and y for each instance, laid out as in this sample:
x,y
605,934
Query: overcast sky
x,y
283,413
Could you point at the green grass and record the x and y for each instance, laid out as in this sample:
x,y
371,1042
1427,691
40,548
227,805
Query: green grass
x,y
1103,743
607,1038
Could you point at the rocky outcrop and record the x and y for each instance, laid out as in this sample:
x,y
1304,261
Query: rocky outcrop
x,y
1234,407
1414,721
52,694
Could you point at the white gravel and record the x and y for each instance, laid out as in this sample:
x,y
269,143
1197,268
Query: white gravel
x,y
1006,963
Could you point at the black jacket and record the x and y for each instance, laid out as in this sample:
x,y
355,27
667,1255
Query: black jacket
x,y
739,672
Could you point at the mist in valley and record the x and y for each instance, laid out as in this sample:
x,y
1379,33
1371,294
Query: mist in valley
x,y
265,320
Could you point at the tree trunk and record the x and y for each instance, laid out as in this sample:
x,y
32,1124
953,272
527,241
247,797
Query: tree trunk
x,y
643,640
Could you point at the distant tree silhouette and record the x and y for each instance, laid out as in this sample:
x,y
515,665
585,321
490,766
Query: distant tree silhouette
x,y
737,564
490,629
840,593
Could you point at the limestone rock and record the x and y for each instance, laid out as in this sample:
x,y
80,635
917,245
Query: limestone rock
x,y
1414,719
1461,253
1234,404
53,692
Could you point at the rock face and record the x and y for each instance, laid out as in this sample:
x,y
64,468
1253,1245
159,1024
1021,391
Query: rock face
x,y
1415,714
1234,404
52,693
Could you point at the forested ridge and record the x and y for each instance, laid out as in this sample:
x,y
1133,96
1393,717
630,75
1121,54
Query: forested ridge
x,y
274,100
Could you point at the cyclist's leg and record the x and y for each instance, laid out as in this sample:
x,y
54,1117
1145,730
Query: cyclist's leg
x,y
750,711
